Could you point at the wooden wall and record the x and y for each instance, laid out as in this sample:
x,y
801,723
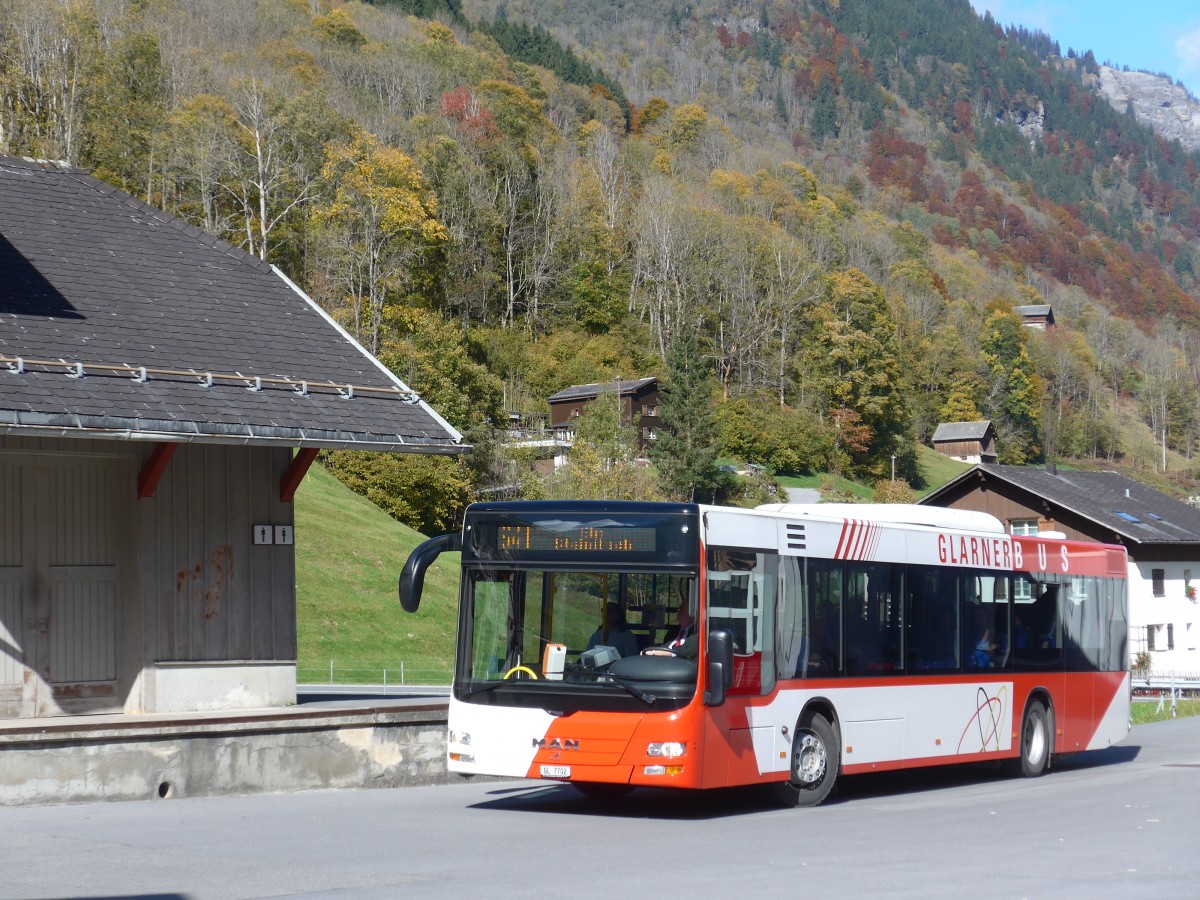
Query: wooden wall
x,y
192,584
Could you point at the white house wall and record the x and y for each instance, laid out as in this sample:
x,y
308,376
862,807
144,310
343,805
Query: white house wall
x,y
1172,608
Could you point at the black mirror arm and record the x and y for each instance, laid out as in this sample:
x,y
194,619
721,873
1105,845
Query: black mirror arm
x,y
412,576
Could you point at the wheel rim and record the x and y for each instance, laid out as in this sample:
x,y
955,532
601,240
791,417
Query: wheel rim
x,y
1035,741
810,761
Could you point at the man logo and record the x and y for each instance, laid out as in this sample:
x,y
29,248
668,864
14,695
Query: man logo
x,y
555,744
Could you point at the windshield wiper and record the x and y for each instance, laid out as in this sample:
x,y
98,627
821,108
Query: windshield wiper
x,y
607,677
490,686
625,685
645,697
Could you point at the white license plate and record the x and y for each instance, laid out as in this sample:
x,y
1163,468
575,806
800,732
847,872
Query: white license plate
x,y
556,771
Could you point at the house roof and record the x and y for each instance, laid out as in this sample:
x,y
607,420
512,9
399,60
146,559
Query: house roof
x,y
587,391
177,335
1132,510
1036,309
962,431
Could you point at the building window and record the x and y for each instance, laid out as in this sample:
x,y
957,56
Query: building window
x,y
1025,526
1158,578
1155,635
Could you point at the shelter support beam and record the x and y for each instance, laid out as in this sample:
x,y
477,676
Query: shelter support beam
x,y
296,471
155,466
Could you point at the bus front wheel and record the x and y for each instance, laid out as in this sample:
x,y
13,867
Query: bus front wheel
x,y
815,761
1035,741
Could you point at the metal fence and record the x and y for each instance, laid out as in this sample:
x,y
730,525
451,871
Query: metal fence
x,y
369,671
1167,681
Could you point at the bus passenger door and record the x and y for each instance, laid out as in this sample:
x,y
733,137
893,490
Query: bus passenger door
x,y
741,591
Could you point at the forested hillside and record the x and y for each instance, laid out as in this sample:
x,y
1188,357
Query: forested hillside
x,y
812,219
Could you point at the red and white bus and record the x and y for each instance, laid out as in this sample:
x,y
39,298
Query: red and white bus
x,y
832,640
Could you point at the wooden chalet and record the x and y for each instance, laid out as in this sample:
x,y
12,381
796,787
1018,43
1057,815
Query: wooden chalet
x,y
970,442
1038,315
639,406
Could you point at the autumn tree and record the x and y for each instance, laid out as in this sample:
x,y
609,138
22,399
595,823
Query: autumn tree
x,y
850,361
380,233
276,159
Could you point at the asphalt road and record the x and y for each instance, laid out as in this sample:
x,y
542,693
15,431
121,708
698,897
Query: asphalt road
x,y
1124,822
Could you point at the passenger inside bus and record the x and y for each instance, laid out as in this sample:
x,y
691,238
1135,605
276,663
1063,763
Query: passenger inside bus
x,y
984,654
614,632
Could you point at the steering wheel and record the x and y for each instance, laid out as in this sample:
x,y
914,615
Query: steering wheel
x,y
516,669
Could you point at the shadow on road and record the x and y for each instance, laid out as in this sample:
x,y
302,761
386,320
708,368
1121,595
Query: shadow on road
x,y
671,805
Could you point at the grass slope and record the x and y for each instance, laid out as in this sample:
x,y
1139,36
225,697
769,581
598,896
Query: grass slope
x,y
348,558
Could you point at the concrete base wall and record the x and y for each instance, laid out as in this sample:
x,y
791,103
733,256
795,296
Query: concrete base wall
x,y
250,754
179,687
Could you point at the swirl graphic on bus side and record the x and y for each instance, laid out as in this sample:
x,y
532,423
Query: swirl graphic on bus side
x,y
988,719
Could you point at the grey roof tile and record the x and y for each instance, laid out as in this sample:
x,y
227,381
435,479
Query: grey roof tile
x,y
962,431
89,274
583,391
1127,507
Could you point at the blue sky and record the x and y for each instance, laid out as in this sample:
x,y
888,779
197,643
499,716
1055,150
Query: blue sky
x,y
1155,35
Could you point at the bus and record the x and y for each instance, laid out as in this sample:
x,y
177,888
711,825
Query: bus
x,y
832,639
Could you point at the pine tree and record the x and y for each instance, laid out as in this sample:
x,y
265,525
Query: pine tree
x,y
685,451
824,120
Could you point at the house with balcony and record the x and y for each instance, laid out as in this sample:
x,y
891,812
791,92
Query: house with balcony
x,y
639,407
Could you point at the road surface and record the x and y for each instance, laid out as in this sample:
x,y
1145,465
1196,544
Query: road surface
x,y
1119,823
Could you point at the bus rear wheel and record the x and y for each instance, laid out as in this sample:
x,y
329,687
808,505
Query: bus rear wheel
x,y
815,762
1035,741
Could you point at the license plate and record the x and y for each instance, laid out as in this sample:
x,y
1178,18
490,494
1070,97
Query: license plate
x,y
556,771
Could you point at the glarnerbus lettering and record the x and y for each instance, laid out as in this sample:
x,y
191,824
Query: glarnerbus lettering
x,y
969,550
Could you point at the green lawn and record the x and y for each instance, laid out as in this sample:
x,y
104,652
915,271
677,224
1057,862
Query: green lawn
x,y
1146,711
348,558
821,482
936,469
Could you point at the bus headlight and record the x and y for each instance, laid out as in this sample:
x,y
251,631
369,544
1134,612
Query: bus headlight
x,y
669,749
459,737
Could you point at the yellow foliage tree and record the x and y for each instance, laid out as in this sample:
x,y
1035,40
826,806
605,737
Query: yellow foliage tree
x,y
380,232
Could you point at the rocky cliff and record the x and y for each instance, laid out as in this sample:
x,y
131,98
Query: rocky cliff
x,y
1157,101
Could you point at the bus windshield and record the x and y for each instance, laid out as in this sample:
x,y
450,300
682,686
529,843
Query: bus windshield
x,y
582,633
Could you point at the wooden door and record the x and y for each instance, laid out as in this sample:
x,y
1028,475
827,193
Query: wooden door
x,y
60,584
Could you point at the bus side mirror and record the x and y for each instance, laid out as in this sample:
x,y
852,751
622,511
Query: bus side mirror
x,y
719,668
412,576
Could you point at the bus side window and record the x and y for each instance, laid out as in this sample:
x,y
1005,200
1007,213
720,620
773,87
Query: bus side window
x,y
874,619
933,620
1037,637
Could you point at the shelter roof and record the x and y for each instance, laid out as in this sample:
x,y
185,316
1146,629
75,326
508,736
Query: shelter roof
x,y
119,320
